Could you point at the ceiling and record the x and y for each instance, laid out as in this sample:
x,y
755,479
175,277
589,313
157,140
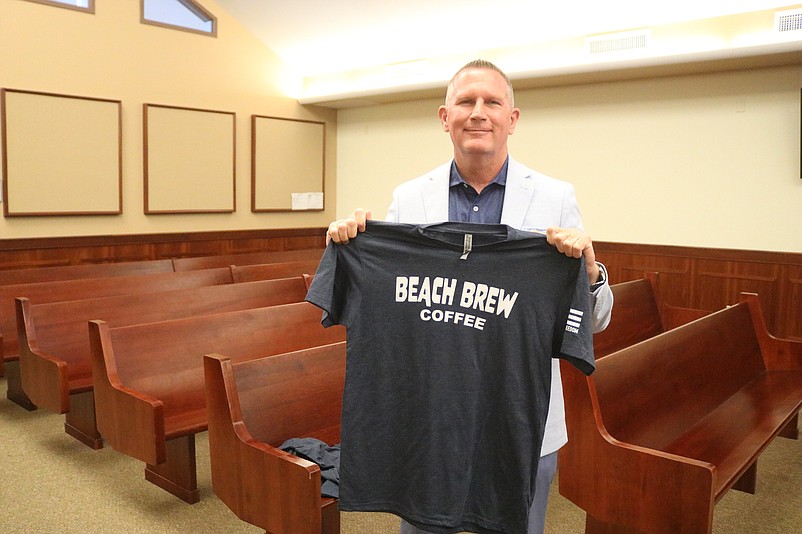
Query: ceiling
x,y
324,40
316,37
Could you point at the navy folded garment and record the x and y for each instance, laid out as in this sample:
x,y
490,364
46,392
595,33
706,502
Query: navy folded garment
x,y
324,455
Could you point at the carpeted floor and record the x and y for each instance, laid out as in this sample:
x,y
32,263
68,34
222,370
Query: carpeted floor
x,y
52,483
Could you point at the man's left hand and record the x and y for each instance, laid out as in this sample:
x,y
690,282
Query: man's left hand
x,y
575,243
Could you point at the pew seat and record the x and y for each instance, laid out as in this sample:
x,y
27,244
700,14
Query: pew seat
x,y
664,428
149,385
255,406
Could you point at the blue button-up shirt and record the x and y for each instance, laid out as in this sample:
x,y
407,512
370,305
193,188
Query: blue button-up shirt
x,y
466,205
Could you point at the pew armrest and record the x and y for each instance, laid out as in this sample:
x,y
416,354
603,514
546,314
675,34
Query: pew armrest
x,y
43,376
119,408
778,354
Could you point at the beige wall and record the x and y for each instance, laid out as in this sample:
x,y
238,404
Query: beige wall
x,y
699,160
710,160
112,55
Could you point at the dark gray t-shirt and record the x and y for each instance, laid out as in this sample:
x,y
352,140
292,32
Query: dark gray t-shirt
x,y
448,367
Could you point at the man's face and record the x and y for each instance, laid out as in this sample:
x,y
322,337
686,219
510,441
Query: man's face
x,y
478,113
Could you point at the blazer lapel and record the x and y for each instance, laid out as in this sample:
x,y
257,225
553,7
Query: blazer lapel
x,y
435,195
517,194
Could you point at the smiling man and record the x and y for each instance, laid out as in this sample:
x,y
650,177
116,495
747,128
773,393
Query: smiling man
x,y
479,115
483,184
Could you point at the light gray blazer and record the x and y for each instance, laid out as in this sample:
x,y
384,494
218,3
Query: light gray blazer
x,y
532,201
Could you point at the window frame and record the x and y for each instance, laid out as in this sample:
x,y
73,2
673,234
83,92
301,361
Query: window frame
x,y
197,9
90,8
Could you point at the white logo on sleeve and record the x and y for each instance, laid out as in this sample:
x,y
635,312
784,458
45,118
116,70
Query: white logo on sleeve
x,y
574,321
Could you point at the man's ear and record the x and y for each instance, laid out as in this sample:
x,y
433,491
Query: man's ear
x,y
442,112
516,113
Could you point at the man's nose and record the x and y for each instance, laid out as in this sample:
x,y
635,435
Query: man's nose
x,y
478,111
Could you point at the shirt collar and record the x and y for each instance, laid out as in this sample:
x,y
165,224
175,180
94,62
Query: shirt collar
x,y
500,179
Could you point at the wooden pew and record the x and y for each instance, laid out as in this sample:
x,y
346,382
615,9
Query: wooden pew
x,y
91,270
253,408
639,313
30,275
664,428
60,290
266,271
149,386
55,364
251,258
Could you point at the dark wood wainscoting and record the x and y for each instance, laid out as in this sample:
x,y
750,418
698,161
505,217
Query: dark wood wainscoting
x,y
702,278
51,251
710,279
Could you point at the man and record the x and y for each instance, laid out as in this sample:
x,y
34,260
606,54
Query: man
x,y
484,185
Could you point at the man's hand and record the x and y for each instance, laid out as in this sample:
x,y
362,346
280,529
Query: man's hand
x,y
575,243
344,230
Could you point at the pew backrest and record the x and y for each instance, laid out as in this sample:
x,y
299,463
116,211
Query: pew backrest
x,y
639,313
697,367
62,290
266,271
29,275
164,359
58,331
635,317
250,258
296,394
163,362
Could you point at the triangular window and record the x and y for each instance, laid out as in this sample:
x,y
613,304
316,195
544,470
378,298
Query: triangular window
x,y
79,5
179,14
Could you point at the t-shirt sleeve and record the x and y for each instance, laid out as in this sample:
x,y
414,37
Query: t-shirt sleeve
x,y
577,337
325,292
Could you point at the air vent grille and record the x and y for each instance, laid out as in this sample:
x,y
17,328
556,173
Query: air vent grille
x,y
788,21
616,42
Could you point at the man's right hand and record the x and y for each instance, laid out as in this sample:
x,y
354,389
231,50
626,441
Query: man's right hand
x,y
344,230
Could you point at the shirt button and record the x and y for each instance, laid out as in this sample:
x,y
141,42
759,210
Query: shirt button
x,y
476,208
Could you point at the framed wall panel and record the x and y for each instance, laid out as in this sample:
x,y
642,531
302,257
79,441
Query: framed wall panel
x,y
287,164
189,160
62,154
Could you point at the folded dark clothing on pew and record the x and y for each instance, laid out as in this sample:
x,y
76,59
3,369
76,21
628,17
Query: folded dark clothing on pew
x,y
324,455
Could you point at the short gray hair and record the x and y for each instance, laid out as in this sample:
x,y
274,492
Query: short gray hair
x,y
486,65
